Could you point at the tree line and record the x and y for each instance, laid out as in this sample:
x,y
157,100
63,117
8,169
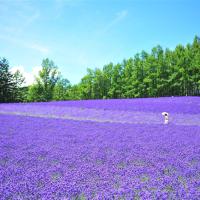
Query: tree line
x,y
162,72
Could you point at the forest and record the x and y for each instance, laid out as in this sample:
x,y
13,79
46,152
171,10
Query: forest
x,y
159,73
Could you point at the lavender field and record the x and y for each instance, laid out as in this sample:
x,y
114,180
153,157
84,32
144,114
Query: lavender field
x,y
100,149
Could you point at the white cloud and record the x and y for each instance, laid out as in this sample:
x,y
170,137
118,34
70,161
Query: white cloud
x,y
120,15
60,5
22,14
29,76
39,48
29,45
14,26
32,18
117,19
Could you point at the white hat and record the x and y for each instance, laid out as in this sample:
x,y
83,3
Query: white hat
x,y
165,113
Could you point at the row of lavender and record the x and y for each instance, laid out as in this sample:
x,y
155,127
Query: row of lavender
x,y
186,105
183,111
48,158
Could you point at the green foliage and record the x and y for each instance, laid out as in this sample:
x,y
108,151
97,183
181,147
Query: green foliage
x,y
35,93
45,84
5,81
18,91
75,92
60,91
158,73
10,84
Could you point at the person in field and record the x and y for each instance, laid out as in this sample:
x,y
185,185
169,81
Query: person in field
x,y
166,117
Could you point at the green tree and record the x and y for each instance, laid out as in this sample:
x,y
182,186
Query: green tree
x,y
158,73
6,82
46,81
18,89
115,90
86,85
74,92
107,74
98,84
127,78
60,91
10,84
35,93
194,71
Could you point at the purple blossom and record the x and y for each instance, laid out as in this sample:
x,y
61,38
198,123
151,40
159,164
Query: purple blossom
x,y
101,149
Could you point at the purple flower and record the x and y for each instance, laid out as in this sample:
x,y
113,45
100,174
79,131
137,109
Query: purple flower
x,y
100,149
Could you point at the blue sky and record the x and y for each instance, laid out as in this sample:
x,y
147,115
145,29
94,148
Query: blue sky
x,y
77,34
